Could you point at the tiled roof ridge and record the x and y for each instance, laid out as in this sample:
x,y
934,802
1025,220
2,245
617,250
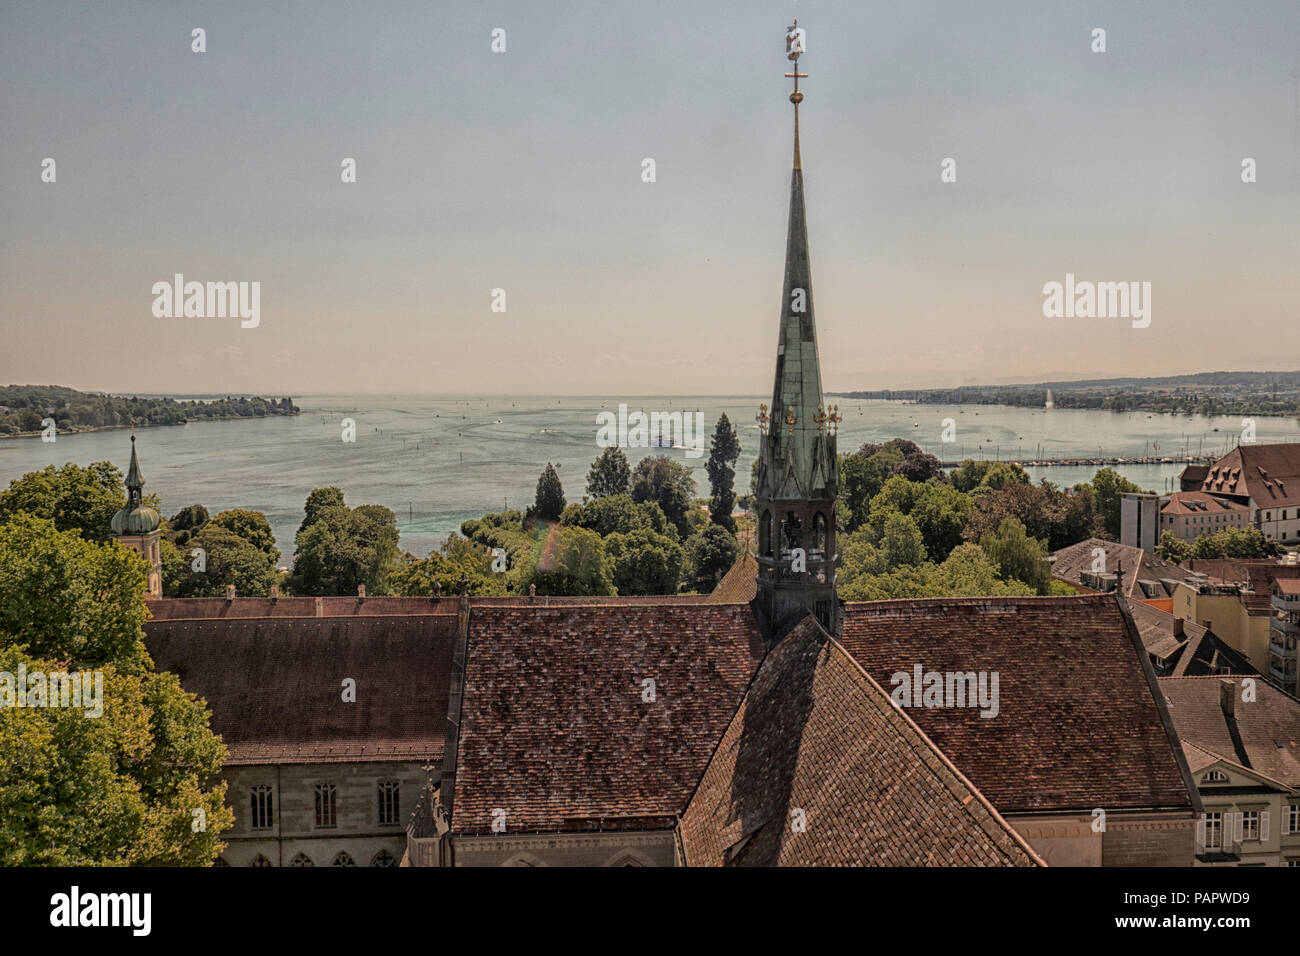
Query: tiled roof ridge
x,y
1162,707
1000,600
1260,682
884,703
1249,771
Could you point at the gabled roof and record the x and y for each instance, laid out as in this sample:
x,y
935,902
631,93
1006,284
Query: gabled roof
x,y
1199,503
1143,570
817,742
1199,760
1080,723
1268,474
559,728
1197,651
1263,735
739,584
275,687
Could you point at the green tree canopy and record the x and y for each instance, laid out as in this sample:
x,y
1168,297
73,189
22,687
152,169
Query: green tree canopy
x,y
724,449
609,475
122,788
252,526
549,503
710,555
1017,556
77,499
571,561
339,548
670,485
645,561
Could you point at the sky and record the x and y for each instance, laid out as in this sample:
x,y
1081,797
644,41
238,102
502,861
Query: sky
x,y
522,170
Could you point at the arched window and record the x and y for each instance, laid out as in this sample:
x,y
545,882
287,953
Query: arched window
x,y
383,858
302,859
1215,776
765,534
819,532
260,860
791,532
343,859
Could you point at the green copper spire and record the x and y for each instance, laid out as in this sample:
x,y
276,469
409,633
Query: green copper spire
x,y
135,518
798,473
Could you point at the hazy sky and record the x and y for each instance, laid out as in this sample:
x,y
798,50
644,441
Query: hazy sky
x,y
522,170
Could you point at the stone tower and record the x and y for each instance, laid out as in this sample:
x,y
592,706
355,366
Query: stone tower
x,y
798,471
136,526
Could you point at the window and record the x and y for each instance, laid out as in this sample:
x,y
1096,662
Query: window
x,y
765,534
263,808
326,805
1215,776
1213,831
390,798
1250,825
1294,861
383,858
260,860
302,859
1293,818
343,859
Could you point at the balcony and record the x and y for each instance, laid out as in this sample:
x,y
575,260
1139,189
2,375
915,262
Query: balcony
x,y
1289,626
1277,647
1287,604
1225,851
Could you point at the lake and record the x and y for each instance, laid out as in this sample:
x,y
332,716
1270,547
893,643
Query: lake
x,y
438,461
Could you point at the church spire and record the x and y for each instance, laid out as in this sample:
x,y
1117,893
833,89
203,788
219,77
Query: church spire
x,y
134,478
798,475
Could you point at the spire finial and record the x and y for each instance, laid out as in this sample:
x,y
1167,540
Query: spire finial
x,y
795,46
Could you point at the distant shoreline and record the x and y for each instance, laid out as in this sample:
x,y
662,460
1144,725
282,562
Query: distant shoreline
x,y
87,429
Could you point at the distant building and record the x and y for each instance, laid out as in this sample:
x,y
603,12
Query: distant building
x,y
1189,514
1243,749
1267,479
1140,520
137,526
1284,631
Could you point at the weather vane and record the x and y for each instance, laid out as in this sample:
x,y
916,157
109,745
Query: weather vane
x,y
795,46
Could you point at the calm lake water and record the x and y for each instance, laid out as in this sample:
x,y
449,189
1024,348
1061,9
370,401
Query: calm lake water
x,y
438,461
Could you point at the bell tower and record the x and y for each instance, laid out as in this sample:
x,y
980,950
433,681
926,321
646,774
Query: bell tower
x,y
137,525
798,471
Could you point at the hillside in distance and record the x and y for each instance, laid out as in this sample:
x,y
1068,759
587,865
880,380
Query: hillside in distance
x,y
23,409
1201,393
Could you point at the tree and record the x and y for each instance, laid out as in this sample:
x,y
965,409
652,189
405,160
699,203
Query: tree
x,y
458,557
1234,543
645,562
339,548
252,526
723,452
572,562
617,514
318,502
1107,489
227,559
1172,549
670,485
189,518
901,542
550,495
77,499
609,474
710,555
120,788
1045,511
1017,556
991,475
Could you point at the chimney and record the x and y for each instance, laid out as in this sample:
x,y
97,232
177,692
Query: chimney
x,y
1180,631
532,592
230,592
361,591
320,607
275,592
1228,697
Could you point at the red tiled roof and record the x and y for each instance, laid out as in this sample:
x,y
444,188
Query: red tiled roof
x,y
740,584
554,728
818,738
275,687
1080,724
1186,502
1268,728
1074,563
1268,474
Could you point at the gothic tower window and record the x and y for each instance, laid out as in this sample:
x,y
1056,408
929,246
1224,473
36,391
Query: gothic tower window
x,y
343,859
326,805
791,533
302,859
765,534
